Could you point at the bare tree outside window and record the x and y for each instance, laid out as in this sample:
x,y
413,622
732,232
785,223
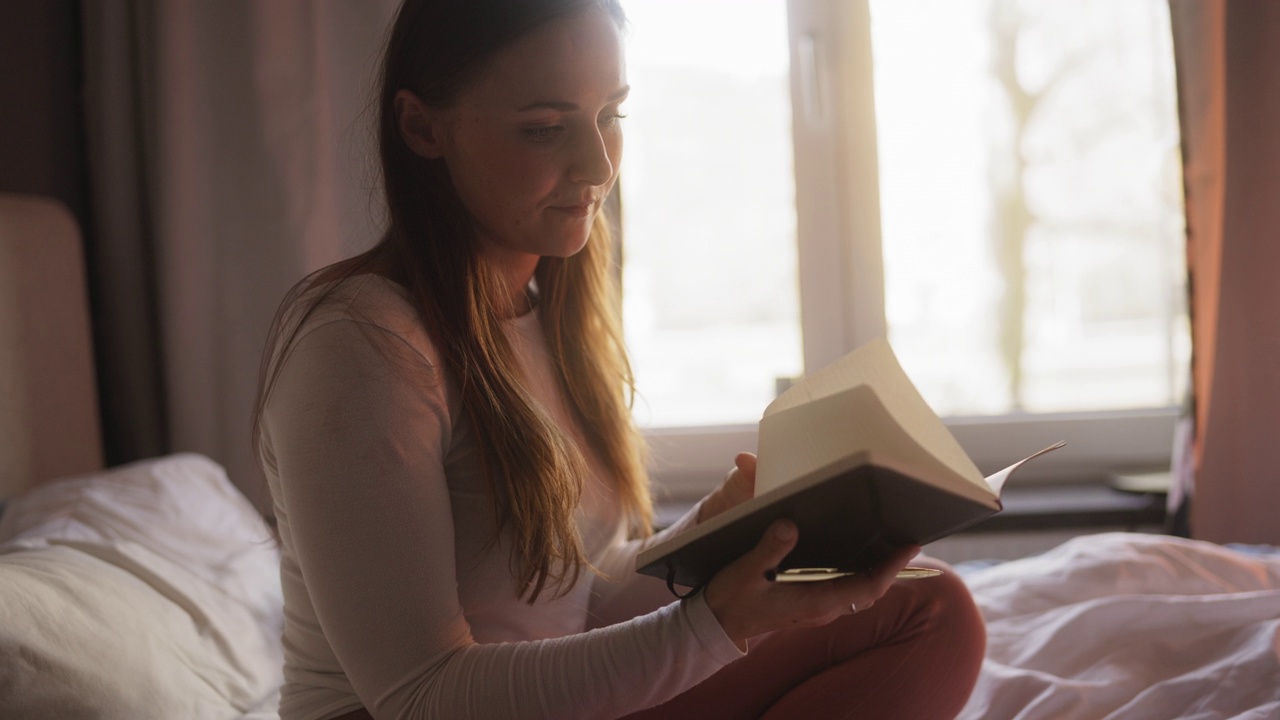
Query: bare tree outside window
x,y
1029,192
1072,208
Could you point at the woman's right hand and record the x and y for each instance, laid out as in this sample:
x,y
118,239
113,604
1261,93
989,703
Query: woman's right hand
x,y
747,603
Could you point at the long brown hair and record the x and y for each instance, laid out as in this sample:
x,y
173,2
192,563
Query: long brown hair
x,y
535,469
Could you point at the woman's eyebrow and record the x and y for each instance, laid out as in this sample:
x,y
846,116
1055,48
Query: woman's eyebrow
x,y
565,106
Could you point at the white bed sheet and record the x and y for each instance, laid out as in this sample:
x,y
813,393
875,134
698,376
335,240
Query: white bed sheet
x,y
1125,626
167,554
146,591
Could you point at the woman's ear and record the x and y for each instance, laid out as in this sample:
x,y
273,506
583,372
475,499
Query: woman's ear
x,y
421,127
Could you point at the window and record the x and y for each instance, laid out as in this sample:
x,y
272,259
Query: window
x,y
994,185
708,193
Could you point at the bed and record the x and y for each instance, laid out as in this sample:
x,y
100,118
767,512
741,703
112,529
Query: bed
x,y
1131,626
143,591
150,590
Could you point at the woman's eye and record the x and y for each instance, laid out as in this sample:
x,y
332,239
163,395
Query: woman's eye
x,y
543,133
612,119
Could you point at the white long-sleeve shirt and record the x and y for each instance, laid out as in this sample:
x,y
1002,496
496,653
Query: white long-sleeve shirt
x,y
395,597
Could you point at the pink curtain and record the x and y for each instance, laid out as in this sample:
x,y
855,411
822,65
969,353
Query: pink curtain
x,y
228,147
1228,66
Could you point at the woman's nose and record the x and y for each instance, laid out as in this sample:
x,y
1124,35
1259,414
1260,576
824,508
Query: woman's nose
x,y
592,161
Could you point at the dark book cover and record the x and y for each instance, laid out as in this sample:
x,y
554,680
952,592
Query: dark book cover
x,y
859,461
849,521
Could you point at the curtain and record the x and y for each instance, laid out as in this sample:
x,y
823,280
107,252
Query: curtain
x,y
1228,66
230,152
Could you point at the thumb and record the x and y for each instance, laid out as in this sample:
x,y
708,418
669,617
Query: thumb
x,y
776,543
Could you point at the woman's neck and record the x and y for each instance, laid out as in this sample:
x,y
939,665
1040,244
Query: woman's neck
x,y
515,270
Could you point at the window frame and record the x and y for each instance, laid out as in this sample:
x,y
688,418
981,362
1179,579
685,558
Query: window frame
x,y
842,283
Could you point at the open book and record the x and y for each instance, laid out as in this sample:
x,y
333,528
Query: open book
x,y
857,459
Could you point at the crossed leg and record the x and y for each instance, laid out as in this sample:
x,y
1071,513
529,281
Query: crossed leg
x,y
915,654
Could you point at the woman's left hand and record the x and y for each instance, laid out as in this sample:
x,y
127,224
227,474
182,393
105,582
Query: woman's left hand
x,y
738,486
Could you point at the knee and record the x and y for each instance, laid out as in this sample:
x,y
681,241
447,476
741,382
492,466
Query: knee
x,y
944,603
953,611
949,588
952,628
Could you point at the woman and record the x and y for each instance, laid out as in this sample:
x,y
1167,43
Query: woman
x,y
444,426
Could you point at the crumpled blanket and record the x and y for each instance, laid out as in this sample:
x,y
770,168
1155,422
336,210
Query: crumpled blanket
x,y
1127,626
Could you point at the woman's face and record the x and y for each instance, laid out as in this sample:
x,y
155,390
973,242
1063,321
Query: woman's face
x,y
533,144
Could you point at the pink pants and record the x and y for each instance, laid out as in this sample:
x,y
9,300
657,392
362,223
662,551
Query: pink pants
x,y
914,654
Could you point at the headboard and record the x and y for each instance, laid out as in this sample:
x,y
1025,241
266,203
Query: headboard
x,y
49,424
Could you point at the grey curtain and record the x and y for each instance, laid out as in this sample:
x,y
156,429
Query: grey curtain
x,y
228,149
1228,67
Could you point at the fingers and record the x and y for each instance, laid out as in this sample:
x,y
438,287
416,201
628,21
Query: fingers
x,y
740,483
738,487
773,547
746,603
754,567
892,565
874,585
739,594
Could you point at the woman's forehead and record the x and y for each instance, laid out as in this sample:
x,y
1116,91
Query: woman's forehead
x,y
578,59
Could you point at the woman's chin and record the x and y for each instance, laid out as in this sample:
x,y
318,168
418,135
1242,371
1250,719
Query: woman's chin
x,y
567,244
568,249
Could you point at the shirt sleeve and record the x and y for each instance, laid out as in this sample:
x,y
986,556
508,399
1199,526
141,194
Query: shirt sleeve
x,y
358,425
618,592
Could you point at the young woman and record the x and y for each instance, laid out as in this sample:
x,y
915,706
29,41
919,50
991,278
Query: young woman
x,y
444,426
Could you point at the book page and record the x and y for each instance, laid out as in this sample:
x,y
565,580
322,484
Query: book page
x,y
997,480
874,367
824,432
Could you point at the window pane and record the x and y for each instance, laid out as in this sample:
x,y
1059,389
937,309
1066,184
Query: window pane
x,y
1031,202
710,291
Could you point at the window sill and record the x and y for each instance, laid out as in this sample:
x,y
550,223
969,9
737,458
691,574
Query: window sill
x,y
687,463
1073,506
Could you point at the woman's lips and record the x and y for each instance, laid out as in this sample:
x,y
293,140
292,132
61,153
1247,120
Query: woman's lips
x,y
574,210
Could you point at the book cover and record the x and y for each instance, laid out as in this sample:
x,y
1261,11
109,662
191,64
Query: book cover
x,y
859,461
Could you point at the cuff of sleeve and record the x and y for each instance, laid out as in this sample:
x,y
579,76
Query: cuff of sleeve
x,y
686,521
707,629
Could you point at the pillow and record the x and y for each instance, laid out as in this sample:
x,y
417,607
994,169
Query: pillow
x,y
151,590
